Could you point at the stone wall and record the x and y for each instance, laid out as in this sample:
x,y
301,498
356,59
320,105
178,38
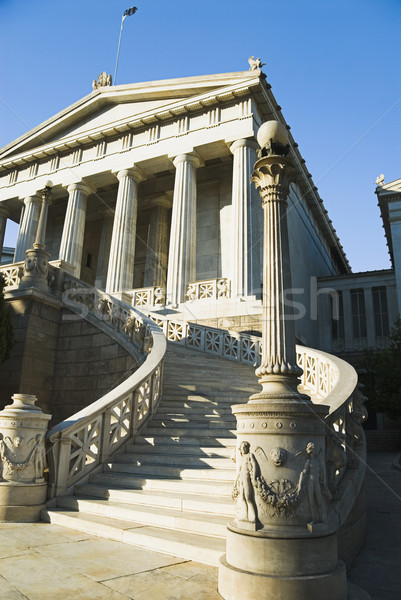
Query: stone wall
x,y
88,364
62,359
29,369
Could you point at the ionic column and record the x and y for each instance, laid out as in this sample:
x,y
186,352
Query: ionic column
x,y
104,250
120,271
244,152
72,239
4,214
28,226
182,250
157,243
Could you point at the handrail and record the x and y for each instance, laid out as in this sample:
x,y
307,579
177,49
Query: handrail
x,y
80,444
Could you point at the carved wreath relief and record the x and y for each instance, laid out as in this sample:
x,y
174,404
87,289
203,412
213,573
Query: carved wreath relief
x,y
21,459
279,497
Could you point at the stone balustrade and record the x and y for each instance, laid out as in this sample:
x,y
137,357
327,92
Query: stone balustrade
x,y
82,442
148,296
208,288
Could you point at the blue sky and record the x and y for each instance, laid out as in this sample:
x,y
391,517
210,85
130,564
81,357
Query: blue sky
x,y
334,68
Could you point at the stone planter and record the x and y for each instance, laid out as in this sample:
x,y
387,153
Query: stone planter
x,y
22,460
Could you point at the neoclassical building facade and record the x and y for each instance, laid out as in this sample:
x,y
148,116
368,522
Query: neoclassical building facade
x,y
152,197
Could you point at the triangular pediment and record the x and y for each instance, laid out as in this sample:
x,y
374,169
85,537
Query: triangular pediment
x,y
111,105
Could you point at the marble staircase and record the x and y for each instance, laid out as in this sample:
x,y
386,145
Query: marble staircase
x,y
169,489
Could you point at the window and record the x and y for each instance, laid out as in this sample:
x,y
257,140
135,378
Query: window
x,y
337,316
380,311
358,313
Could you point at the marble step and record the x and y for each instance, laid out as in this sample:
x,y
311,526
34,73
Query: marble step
x,y
186,440
189,431
221,391
193,522
189,546
184,408
171,448
196,400
194,422
181,473
223,505
175,460
160,484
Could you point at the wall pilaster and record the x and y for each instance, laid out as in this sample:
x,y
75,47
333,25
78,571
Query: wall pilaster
x,y
157,243
104,250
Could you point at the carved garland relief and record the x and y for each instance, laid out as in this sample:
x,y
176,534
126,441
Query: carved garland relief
x,y
279,497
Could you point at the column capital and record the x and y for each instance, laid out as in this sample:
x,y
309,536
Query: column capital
x,y
272,175
162,200
191,157
33,199
135,173
81,186
243,143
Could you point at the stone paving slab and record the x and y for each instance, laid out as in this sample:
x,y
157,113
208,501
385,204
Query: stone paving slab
x,y
40,561
377,569
46,562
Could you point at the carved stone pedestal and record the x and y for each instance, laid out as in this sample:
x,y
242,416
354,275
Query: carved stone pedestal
x,y
22,460
36,269
280,544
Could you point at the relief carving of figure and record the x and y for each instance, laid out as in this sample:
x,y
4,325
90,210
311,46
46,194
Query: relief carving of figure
x,y
39,457
243,493
312,482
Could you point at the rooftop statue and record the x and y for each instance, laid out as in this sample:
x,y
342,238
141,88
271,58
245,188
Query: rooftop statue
x,y
255,63
102,80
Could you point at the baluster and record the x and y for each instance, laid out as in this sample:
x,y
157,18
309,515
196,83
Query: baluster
x,y
105,447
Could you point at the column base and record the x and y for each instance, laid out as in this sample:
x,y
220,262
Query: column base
x,y
236,584
21,503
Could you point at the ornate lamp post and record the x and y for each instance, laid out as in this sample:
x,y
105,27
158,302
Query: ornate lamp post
x,y
36,266
282,542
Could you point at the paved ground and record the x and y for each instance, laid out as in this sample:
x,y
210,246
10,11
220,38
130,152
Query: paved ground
x,y
46,562
377,568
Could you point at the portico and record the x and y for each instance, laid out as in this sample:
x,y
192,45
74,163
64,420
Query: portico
x,y
152,194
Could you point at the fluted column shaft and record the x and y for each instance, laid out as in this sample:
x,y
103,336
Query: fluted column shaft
x,y
244,151
28,226
104,250
182,251
157,244
278,365
72,239
4,214
120,273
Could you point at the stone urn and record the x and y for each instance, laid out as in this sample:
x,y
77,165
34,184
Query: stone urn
x,y
22,460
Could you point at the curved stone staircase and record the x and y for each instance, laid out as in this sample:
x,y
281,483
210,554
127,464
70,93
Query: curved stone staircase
x,y
155,470
170,489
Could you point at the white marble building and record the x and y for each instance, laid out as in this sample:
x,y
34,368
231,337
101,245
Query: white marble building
x,y
152,196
